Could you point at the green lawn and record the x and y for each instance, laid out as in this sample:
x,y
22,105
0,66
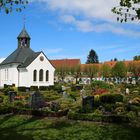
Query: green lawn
x,y
29,128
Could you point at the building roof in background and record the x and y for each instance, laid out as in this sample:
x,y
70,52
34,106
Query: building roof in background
x,y
96,64
112,63
65,63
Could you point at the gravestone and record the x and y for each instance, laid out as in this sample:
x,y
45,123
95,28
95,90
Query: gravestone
x,y
37,100
88,103
12,95
65,95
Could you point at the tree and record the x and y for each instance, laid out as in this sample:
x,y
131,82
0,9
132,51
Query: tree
x,y
115,59
137,57
106,71
119,70
76,72
9,5
62,72
134,68
92,57
91,70
127,10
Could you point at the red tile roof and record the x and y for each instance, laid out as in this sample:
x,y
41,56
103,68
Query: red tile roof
x,y
65,62
112,63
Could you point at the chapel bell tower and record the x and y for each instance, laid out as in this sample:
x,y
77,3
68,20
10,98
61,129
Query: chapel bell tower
x,y
24,39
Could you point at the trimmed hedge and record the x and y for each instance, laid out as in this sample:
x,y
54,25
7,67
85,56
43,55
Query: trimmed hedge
x,y
100,118
33,88
43,88
111,98
22,89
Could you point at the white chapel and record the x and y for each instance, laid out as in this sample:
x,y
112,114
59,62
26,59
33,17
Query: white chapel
x,y
24,67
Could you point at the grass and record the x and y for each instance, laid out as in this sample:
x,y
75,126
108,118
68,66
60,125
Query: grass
x,y
29,128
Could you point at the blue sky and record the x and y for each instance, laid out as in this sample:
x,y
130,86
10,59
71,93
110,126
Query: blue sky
x,y
70,29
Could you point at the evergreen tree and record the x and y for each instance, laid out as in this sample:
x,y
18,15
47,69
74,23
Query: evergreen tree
x,y
92,57
137,57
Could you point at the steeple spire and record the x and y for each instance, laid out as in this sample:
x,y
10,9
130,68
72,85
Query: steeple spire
x,y
23,39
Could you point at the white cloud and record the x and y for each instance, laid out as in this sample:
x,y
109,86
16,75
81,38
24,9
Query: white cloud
x,y
88,15
100,9
88,26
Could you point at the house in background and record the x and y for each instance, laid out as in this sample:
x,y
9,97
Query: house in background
x,y
24,67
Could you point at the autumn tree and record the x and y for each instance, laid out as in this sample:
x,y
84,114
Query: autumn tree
x,y
134,68
106,71
62,72
9,5
119,70
92,57
91,70
76,72
127,10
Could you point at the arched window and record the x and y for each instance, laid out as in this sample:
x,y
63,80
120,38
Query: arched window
x,y
47,75
41,75
35,75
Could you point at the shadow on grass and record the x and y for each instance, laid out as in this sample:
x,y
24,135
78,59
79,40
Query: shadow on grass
x,y
10,133
13,135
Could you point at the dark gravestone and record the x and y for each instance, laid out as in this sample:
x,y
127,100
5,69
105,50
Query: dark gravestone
x,y
12,95
88,103
37,100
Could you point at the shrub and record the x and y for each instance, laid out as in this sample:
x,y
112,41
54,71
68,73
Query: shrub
x,y
22,89
51,87
6,90
58,88
109,107
76,87
136,101
102,84
1,98
111,98
19,103
55,106
51,95
119,110
43,88
33,88
131,115
6,86
6,109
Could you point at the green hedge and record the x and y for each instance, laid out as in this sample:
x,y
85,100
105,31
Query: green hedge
x,y
100,118
33,88
22,89
43,88
111,98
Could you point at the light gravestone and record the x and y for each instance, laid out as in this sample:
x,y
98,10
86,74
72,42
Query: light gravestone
x,y
37,100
